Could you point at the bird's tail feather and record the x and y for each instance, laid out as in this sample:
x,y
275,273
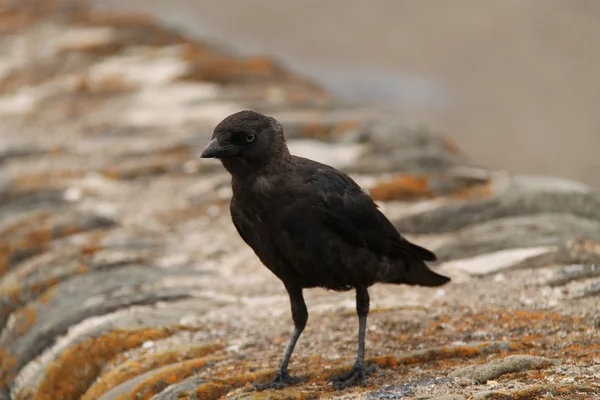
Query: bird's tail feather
x,y
423,253
418,273
403,249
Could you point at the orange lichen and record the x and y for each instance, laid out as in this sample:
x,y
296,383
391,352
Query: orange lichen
x,y
582,351
585,245
225,69
261,65
480,191
411,187
47,295
93,244
451,145
318,130
210,390
153,166
16,15
24,319
7,364
72,372
90,250
41,286
194,52
427,356
385,361
90,46
314,130
214,389
18,297
402,187
111,172
105,84
82,269
136,366
24,225
505,319
14,21
535,392
40,180
165,377
242,379
3,264
12,292
37,239
67,230
344,126
121,18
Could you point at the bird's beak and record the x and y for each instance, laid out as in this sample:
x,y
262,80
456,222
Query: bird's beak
x,y
214,150
211,150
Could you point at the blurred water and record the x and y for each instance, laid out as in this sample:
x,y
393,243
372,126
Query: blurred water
x,y
515,83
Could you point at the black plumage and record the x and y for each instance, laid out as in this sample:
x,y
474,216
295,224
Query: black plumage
x,y
312,226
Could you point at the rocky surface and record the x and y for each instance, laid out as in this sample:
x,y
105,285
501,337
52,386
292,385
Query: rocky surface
x,y
122,276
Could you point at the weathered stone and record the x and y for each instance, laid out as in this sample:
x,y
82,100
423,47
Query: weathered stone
x,y
23,239
412,187
496,368
134,369
30,329
566,254
575,272
590,290
11,152
42,201
92,330
511,197
490,263
102,118
575,392
52,383
390,132
272,395
439,353
402,148
94,252
177,390
95,353
517,232
155,381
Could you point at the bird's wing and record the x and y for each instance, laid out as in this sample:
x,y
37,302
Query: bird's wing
x,y
243,227
351,214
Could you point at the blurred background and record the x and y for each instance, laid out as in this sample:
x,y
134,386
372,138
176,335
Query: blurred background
x,y
516,83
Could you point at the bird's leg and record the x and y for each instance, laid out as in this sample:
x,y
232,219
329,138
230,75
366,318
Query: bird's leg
x,y
300,316
358,374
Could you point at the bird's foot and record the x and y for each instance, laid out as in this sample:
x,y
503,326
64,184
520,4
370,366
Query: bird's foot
x,y
282,379
356,376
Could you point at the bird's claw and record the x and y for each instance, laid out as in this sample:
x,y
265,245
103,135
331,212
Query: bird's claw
x,y
281,380
358,375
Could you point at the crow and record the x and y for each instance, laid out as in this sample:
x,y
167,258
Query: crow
x,y
311,226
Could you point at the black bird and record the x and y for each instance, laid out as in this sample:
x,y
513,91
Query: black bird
x,y
312,226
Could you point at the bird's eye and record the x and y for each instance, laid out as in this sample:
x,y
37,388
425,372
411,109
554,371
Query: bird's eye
x,y
250,138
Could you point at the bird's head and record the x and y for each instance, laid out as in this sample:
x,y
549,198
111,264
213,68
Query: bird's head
x,y
247,139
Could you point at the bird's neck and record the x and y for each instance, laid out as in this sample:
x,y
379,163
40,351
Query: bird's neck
x,y
243,169
245,172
